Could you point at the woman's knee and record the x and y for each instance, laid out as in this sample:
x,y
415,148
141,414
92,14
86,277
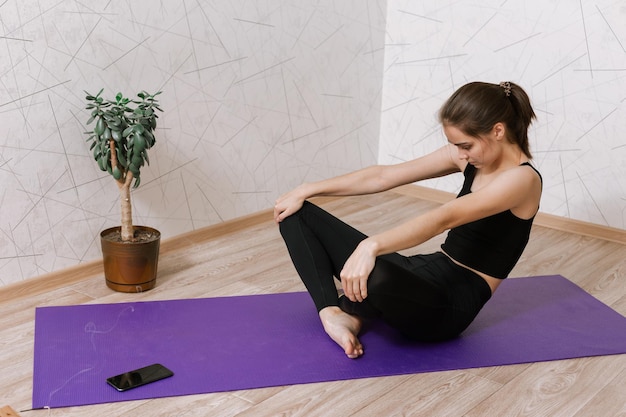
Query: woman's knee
x,y
293,218
286,224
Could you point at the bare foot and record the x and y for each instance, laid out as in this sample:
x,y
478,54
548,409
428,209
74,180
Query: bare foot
x,y
343,328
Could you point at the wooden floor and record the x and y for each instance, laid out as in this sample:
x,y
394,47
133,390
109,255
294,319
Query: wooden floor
x,y
248,257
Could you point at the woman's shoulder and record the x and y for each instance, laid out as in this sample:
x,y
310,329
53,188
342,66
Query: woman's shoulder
x,y
530,165
529,183
524,174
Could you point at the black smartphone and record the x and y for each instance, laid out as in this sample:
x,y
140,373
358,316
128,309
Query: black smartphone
x,y
138,377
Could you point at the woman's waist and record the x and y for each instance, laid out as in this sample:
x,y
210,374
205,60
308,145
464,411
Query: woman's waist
x,y
493,282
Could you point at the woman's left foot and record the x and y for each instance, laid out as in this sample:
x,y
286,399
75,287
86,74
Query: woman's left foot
x,y
343,328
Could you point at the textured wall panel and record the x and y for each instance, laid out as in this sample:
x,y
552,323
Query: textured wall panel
x,y
262,95
258,96
570,56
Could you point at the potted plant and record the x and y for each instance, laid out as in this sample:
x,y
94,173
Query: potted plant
x,y
122,134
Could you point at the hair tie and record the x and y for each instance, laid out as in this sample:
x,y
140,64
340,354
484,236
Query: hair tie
x,y
506,86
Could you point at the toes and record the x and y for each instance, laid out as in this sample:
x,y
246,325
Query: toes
x,y
355,350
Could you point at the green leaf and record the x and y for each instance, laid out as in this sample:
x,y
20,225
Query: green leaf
x,y
137,161
139,129
149,136
139,144
107,134
117,135
117,174
121,159
127,131
100,125
102,163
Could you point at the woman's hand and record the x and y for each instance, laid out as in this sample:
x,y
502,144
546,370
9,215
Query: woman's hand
x,y
357,270
289,203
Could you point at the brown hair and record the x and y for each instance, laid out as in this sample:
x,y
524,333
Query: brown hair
x,y
476,107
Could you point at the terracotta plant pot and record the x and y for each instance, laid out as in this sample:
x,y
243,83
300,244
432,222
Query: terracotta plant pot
x,y
130,266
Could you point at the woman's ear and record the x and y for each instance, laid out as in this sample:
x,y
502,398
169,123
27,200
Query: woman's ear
x,y
499,131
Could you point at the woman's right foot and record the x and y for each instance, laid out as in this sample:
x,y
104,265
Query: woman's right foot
x,y
343,328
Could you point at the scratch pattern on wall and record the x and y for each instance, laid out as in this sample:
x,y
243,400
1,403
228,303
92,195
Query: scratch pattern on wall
x,y
570,57
258,96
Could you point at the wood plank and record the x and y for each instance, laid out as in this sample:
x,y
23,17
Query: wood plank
x,y
610,401
250,258
557,388
324,399
435,394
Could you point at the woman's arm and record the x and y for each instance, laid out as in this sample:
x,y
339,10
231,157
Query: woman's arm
x,y
371,180
512,189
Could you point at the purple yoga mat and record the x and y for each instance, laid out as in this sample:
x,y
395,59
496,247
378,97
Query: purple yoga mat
x,y
243,342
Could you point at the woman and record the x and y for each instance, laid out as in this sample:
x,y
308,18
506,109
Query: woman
x,y
436,296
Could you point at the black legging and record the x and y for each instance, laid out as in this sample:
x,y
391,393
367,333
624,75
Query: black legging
x,y
426,297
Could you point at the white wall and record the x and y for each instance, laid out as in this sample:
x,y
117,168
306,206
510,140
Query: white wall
x,y
258,96
261,95
570,56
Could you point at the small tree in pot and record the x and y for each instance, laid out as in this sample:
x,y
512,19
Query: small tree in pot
x,y
120,139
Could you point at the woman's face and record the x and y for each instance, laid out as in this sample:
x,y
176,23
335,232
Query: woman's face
x,y
476,151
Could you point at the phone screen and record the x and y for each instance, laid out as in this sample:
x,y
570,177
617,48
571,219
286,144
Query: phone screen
x,y
138,377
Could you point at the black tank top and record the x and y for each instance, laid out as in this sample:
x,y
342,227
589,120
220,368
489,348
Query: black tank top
x,y
492,245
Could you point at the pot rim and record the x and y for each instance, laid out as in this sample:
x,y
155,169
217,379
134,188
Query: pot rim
x,y
157,233
110,229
